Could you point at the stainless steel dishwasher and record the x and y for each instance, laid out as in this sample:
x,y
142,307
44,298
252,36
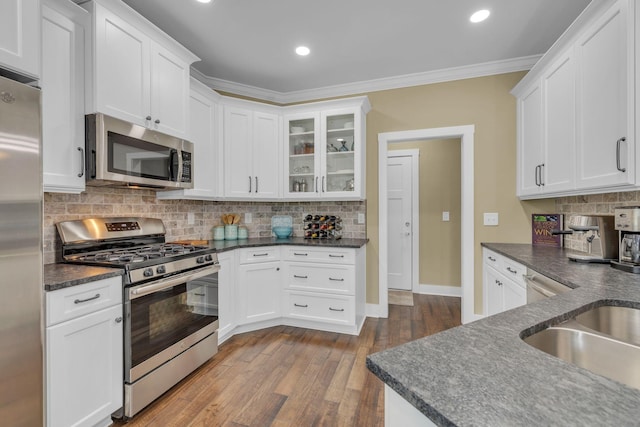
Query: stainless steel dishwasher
x,y
540,286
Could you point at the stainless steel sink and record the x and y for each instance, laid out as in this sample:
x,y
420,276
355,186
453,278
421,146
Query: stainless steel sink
x,y
622,323
604,340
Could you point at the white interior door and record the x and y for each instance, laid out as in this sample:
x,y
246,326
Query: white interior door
x,y
400,228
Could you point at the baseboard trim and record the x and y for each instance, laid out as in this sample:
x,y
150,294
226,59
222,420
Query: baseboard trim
x,y
446,291
372,310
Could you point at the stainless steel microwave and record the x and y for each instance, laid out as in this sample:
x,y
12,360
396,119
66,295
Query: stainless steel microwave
x,y
119,153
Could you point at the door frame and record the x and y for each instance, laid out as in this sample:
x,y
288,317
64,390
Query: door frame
x,y
467,241
414,153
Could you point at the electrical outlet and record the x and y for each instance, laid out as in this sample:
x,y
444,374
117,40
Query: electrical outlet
x,y
191,218
491,219
360,218
248,218
445,216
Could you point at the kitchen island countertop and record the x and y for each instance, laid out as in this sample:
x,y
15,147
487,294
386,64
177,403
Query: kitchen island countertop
x,y
482,373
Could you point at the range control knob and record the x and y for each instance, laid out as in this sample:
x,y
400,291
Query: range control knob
x,y
161,269
148,272
200,260
208,257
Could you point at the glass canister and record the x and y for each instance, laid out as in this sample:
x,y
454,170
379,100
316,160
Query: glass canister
x,y
231,232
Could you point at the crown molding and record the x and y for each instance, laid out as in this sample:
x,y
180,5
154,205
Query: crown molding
x,y
417,79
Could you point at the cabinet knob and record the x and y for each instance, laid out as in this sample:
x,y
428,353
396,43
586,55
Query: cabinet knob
x,y
118,319
157,121
277,268
148,118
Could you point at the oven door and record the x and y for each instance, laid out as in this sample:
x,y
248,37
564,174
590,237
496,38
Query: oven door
x,y
166,317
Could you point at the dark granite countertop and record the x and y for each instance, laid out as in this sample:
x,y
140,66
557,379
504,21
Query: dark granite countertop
x,y
60,276
483,374
227,245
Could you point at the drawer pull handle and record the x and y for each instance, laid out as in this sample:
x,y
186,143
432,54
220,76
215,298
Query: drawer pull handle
x,y
492,259
300,277
336,256
301,305
299,254
510,270
118,319
336,280
80,301
260,254
336,309
199,295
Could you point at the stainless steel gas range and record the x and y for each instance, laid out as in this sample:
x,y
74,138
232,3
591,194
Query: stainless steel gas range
x,y
170,299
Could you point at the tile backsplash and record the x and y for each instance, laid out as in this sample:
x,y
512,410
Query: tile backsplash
x,y
592,204
118,202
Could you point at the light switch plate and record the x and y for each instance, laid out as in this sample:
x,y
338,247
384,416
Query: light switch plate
x,y
360,218
491,219
248,218
445,216
191,218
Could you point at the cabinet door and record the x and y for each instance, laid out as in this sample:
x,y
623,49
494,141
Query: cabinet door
x,y
265,146
226,300
605,69
260,291
169,92
492,283
62,81
121,68
301,157
84,369
513,295
203,128
559,117
530,141
238,156
341,150
20,36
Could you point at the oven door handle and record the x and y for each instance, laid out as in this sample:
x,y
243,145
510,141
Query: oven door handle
x,y
159,285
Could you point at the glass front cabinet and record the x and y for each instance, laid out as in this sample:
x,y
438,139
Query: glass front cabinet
x,y
325,153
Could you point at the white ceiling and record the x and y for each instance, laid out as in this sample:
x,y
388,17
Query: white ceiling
x,y
249,44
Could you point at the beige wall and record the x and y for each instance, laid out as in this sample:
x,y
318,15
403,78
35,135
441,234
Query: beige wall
x,y
439,184
484,102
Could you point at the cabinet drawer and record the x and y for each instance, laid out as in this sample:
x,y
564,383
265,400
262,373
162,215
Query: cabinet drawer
x,y
493,259
310,254
514,271
254,255
324,308
69,303
321,278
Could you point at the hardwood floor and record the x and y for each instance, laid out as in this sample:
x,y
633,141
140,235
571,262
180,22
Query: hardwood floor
x,y
285,376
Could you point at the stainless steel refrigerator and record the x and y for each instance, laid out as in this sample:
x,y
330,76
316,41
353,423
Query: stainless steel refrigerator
x,y
21,269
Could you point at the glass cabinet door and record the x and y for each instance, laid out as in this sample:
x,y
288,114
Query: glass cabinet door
x,y
302,149
340,160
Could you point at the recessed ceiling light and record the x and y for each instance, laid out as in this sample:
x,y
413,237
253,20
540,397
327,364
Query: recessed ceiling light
x,y
303,50
204,1
480,16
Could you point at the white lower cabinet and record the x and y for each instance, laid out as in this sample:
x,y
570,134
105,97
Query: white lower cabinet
x,y
503,283
259,285
226,312
324,288
84,365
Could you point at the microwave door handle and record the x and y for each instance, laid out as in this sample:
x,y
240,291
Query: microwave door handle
x,y
173,164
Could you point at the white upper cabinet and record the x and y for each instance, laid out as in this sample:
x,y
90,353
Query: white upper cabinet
x,y
324,150
204,132
251,151
64,27
605,130
576,109
20,36
140,74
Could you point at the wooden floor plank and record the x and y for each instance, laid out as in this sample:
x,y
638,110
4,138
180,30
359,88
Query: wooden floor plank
x,y
286,376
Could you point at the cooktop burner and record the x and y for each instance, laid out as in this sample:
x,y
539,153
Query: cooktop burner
x,y
140,254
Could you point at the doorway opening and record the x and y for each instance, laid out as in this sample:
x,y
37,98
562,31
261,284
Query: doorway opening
x,y
467,241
